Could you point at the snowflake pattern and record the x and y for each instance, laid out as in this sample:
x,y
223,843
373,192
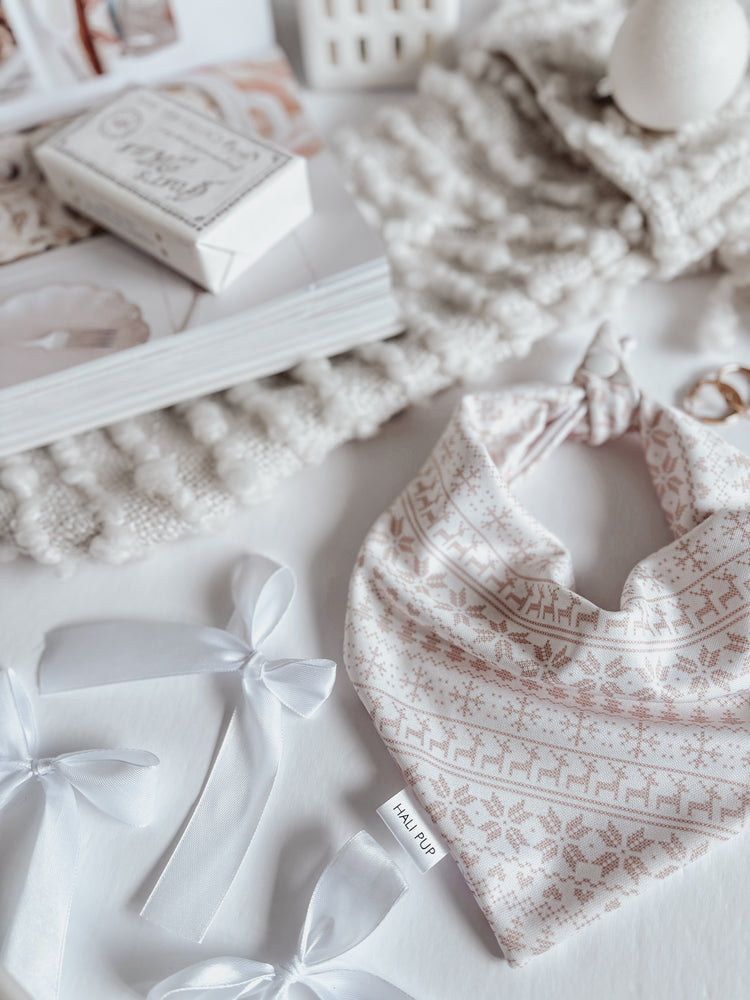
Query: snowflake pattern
x,y
691,554
465,698
579,728
639,739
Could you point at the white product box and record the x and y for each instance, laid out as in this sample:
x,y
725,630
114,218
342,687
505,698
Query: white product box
x,y
199,196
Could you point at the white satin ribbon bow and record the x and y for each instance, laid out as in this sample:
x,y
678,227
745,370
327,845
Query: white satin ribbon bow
x,y
208,856
353,895
118,782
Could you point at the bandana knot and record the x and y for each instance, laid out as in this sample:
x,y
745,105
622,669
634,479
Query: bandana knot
x,y
612,398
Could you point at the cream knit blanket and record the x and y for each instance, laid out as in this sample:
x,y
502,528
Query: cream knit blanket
x,y
511,202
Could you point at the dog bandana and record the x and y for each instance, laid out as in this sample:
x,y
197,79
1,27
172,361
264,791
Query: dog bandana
x,y
570,755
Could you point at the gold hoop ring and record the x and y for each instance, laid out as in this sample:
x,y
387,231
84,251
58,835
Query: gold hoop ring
x,y
728,391
729,394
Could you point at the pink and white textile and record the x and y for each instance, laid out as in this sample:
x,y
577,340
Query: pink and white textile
x,y
569,754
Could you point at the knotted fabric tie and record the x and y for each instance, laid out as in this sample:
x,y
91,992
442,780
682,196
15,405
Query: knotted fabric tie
x,y
207,857
353,895
612,398
602,403
118,782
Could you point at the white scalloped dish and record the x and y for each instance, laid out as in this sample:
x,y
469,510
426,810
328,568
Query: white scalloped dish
x,y
56,326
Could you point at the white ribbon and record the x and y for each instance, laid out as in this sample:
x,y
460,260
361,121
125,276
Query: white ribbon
x,y
353,895
118,782
208,856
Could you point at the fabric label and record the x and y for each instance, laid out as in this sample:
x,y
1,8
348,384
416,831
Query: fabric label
x,y
413,829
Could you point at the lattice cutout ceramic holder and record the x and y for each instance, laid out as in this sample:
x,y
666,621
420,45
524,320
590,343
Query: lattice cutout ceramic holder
x,y
372,43
570,755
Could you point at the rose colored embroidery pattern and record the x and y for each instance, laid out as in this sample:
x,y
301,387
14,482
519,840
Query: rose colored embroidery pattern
x,y
570,755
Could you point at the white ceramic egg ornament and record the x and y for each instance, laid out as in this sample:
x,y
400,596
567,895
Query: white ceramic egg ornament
x,y
677,61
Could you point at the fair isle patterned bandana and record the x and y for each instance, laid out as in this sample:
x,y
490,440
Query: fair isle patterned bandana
x,y
570,755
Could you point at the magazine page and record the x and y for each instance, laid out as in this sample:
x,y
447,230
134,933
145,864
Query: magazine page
x,y
57,56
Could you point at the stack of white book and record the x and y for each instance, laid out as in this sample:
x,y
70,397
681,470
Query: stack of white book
x,y
94,331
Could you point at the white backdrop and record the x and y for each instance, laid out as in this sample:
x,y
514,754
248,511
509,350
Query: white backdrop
x,y
687,938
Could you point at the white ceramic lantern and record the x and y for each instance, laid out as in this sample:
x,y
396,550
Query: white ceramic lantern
x,y
372,43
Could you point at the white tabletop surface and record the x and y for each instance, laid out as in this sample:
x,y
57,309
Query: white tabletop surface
x,y
685,938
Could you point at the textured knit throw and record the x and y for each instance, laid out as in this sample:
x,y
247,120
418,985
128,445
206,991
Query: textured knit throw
x,y
569,754
510,201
